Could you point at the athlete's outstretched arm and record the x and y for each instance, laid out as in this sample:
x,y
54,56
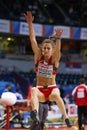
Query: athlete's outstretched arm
x,y
57,37
30,19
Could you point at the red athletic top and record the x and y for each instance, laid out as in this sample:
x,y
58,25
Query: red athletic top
x,y
80,94
46,69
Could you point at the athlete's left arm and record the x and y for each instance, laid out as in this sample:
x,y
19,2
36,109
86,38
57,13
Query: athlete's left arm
x,y
57,52
57,37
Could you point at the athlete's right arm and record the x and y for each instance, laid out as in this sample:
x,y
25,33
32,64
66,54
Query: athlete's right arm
x,y
29,19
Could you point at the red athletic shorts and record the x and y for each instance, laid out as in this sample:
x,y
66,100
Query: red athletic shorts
x,y
47,91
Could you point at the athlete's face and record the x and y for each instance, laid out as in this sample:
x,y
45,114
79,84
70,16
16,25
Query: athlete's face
x,y
47,49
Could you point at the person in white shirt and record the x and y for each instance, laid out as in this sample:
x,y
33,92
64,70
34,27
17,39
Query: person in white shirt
x,y
66,101
18,94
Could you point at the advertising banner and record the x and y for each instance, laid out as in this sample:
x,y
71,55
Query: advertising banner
x,y
83,33
66,31
5,26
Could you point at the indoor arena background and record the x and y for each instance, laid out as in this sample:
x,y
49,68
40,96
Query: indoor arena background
x,y
16,56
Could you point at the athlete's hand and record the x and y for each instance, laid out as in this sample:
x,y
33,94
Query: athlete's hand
x,y
29,17
57,34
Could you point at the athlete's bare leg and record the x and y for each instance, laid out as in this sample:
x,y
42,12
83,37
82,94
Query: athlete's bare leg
x,y
36,97
55,96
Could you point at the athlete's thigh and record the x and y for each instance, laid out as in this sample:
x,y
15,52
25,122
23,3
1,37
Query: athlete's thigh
x,y
40,95
55,93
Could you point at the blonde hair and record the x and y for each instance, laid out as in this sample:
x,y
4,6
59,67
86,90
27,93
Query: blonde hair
x,y
49,41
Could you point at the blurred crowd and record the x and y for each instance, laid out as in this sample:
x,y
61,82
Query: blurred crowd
x,y
73,13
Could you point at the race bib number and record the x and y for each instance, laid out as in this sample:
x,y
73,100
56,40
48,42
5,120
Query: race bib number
x,y
45,70
80,94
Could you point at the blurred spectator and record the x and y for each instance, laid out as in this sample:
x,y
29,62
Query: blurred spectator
x,y
8,88
66,101
80,95
18,94
43,113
